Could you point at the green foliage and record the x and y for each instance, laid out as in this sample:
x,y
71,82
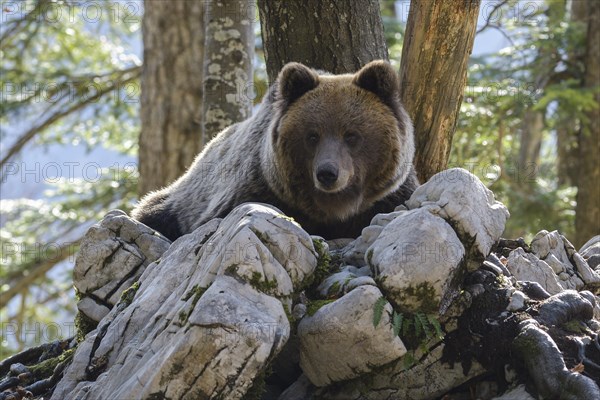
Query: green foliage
x,y
378,310
397,319
70,76
314,305
540,71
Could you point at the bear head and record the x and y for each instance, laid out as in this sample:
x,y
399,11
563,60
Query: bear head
x,y
339,142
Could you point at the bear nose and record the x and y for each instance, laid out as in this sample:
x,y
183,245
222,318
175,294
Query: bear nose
x,y
327,174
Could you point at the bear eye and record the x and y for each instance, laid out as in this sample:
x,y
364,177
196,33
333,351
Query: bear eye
x,y
313,138
351,138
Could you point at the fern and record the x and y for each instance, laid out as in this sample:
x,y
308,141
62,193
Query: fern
x,y
408,360
436,325
397,323
418,326
424,323
378,310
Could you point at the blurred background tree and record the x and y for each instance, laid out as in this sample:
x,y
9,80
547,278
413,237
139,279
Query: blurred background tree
x,y
71,119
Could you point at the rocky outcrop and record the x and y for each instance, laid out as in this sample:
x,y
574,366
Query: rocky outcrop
x,y
204,320
426,299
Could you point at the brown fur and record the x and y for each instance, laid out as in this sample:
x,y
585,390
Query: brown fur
x,y
362,133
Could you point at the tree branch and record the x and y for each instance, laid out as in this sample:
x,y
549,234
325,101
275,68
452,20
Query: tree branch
x,y
128,75
487,20
36,272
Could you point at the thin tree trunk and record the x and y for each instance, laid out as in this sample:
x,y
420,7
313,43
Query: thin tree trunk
x,y
228,64
172,88
437,45
331,35
532,128
587,220
567,131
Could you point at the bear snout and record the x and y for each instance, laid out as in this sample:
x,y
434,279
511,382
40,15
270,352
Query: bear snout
x,y
330,177
327,174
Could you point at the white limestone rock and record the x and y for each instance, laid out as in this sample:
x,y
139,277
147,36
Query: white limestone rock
x,y
354,253
340,341
558,252
590,251
527,267
462,199
345,280
415,259
112,256
197,328
517,301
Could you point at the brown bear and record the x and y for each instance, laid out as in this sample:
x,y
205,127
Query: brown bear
x,y
331,151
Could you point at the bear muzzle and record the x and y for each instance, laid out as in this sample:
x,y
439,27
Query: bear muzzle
x,y
330,178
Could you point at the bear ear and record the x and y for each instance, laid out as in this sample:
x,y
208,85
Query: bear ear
x,y
380,78
295,79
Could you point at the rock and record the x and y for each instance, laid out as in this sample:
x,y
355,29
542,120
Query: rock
x,y
92,309
527,267
590,251
463,200
197,328
559,253
260,245
429,379
354,253
517,301
302,389
415,260
537,348
128,245
345,280
517,393
340,341
17,369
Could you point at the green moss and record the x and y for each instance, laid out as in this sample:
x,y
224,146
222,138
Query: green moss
x,y
314,305
231,270
83,326
425,293
45,369
323,261
575,326
288,314
262,284
129,294
370,257
196,292
334,288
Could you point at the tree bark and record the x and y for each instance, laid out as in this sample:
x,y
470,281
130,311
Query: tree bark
x,y
532,128
437,45
228,64
172,90
335,36
568,129
587,219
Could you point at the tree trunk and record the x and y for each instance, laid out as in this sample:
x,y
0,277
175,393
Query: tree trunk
x,y
587,220
567,131
172,87
335,36
532,128
228,64
437,45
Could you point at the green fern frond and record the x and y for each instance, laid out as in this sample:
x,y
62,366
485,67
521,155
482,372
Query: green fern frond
x,y
378,310
397,323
